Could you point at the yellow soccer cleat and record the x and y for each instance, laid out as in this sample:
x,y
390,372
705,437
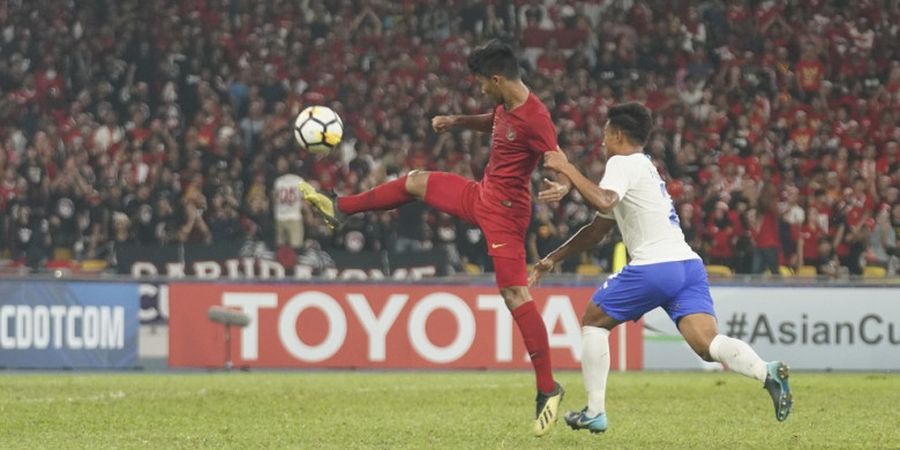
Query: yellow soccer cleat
x,y
547,410
322,204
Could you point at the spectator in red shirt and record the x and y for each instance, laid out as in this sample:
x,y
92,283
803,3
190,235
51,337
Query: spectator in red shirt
x,y
802,134
810,73
808,236
551,62
764,232
721,237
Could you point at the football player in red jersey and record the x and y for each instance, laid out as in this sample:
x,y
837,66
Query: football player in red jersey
x,y
500,204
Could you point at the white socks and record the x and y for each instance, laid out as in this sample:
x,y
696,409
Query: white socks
x,y
595,367
734,353
737,355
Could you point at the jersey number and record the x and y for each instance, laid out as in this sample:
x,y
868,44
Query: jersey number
x,y
673,216
287,196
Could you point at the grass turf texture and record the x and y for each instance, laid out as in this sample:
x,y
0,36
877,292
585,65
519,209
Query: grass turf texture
x,y
434,409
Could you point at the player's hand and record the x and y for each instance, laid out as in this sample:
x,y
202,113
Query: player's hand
x,y
539,270
552,191
556,161
442,123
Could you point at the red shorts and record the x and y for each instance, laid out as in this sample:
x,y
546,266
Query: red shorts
x,y
504,230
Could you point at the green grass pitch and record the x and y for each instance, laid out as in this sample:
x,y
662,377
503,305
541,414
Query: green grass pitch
x,y
435,410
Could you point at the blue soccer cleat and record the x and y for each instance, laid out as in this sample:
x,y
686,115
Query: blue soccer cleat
x,y
579,420
777,385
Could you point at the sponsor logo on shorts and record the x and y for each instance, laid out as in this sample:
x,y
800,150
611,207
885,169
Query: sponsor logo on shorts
x,y
496,246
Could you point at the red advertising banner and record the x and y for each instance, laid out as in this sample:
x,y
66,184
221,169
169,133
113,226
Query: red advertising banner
x,y
378,326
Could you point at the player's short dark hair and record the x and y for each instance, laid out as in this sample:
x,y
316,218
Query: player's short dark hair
x,y
633,119
494,58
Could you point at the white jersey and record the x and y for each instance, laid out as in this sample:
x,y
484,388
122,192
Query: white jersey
x,y
645,213
287,197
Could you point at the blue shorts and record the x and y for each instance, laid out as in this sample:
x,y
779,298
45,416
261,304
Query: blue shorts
x,y
679,287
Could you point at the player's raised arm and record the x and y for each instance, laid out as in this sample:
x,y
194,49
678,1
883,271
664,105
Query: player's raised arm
x,y
602,200
478,122
585,238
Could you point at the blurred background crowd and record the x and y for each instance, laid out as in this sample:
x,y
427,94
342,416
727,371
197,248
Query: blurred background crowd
x,y
161,122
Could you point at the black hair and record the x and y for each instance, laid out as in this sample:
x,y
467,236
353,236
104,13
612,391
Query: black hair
x,y
633,119
494,58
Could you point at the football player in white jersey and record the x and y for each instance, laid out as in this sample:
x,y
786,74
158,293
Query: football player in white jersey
x,y
286,201
663,271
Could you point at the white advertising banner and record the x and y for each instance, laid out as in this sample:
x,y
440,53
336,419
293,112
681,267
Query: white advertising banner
x,y
808,327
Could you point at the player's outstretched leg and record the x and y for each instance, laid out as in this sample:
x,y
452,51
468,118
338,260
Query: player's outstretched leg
x,y
699,330
390,195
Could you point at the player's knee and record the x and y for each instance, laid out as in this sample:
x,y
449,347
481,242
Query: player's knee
x,y
514,297
416,183
590,319
698,330
595,317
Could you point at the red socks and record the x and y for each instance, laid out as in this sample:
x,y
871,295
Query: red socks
x,y
535,335
384,196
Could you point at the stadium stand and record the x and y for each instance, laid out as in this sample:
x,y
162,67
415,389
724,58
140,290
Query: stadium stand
x,y
160,122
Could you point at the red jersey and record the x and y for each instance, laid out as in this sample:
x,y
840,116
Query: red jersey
x,y
810,73
767,234
518,140
810,235
722,242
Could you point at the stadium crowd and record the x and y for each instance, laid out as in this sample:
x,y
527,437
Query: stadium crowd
x,y
161,121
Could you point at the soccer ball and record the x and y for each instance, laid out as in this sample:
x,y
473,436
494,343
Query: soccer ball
x,y
318,129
